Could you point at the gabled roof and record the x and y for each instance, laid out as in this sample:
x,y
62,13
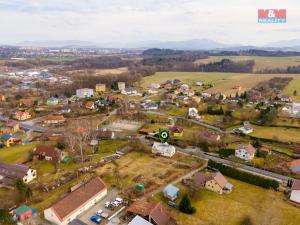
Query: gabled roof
x,y
249,148
296,185
5,136
47,151
78,198
219,178
137,220
13,171
294,163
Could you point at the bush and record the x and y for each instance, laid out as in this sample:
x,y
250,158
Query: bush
x,y
185,205
225,152
244,176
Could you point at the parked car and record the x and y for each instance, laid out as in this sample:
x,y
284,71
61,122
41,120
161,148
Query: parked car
x,y
107,204
95,219
99,212
172,204
115,203
120,200
104,215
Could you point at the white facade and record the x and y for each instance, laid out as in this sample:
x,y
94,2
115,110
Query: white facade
x,y
121,86
242,153
30,175
163,149
295,196
51,216
84,93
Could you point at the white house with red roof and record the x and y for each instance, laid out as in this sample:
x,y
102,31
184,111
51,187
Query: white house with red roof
x,y
245,152
77,202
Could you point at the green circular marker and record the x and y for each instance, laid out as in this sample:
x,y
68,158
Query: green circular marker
x,y
164,136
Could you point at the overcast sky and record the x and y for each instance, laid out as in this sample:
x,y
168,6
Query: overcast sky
x,y
104,21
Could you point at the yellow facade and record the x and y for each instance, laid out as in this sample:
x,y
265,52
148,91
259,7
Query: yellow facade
x,y
214,186
100,88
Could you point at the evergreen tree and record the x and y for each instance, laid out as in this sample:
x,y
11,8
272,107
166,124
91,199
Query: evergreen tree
x,y
5,217
295,93
185,205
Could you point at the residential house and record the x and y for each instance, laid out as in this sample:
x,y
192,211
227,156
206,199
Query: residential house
x,y
54,119
23,212
90,105
286,99
163,149
63,99
171,192
100,88
220,96
247,128
11,172
152,91
137,220
150,105
199,84
121,86
154,86
76,202
10,139
205,95
295,192
129,91
245,152
2,98
294,165
49,153
65,110
193,113
19,115
215,182
176,131
295,108
168,86
10,127
154,212
27,102
85,93
52,101
104,134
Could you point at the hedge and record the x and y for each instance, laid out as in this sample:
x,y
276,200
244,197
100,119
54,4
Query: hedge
x,y
225,152
244,176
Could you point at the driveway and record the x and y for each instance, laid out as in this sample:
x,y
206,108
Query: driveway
x,y
85,217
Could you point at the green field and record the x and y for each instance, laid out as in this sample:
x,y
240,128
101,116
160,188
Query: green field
x,y
258,205
223,82
277,133
293,85
18,153
261,62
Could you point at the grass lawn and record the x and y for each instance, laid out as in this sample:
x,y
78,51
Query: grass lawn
x,y
277,133
108,147
177,111
261,206
291,87
17,153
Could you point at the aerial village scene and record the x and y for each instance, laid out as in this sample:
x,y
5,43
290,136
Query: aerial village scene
x,y
168,133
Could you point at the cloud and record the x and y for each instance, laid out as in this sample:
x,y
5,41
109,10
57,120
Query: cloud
x,y
231,21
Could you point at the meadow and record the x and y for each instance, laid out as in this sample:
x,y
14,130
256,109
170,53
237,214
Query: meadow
x,y
246,204
261,62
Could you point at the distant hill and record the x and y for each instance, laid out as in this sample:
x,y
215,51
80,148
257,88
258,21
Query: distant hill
x,y
58,44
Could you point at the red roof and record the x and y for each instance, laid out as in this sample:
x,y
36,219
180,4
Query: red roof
x,y
249,148
294,163
78,198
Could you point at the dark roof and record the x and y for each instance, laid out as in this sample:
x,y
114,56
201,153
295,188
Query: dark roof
x,y
199,179
13,171
155,210
103,133
47,150
79,197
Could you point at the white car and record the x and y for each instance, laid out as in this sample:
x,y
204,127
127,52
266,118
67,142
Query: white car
x,y
99,212
115,203
120,200
107,204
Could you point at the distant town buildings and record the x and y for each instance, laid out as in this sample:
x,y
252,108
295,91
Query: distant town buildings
x,y
121,86
85,93
100,88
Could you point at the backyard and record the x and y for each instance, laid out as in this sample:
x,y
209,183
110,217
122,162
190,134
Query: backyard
x,y
247,204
